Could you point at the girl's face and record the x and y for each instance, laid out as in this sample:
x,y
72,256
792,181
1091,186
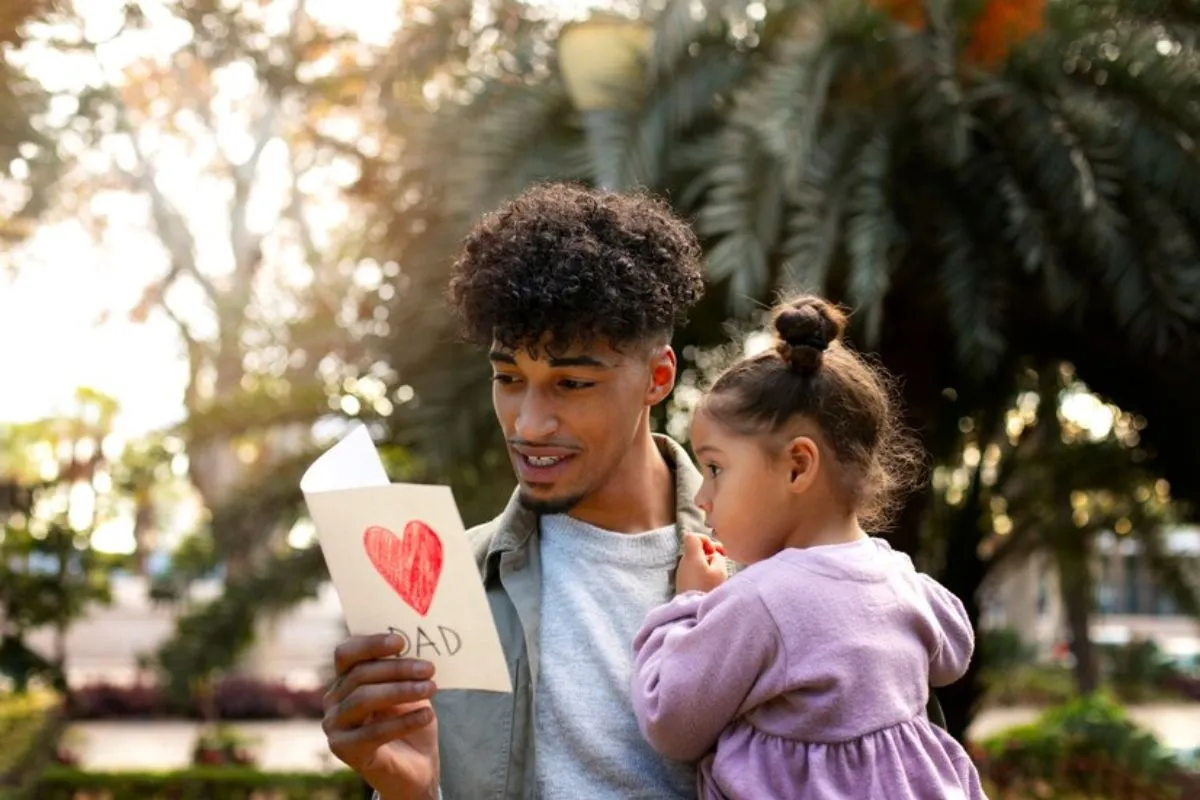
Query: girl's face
x,y
749,496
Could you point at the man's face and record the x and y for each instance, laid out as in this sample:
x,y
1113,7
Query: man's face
x,y
570,419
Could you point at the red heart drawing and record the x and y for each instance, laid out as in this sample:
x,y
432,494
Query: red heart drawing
x,y
411,564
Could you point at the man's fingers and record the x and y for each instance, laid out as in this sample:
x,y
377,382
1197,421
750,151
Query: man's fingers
x,y
356,707
378,733
383,671
357,649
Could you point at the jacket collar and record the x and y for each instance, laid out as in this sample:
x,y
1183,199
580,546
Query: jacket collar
x,y
517,525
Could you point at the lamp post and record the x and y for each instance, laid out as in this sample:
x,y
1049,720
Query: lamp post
x,y
601,61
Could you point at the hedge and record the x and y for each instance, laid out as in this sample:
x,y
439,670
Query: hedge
x,y
29,725
200,783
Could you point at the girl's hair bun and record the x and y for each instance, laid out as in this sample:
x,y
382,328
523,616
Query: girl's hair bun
x,y
805,327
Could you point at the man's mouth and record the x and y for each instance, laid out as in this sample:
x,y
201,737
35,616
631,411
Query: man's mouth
x,y
541,464
543,461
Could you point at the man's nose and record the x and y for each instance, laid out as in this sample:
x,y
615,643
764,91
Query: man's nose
x,y
537,420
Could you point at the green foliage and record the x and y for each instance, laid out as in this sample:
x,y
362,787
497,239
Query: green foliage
x,y
973,213
210,637
223,746
1137,671
24,720
50,572
211,783
1002,649
1087,745
29,162
1028,685
1051,475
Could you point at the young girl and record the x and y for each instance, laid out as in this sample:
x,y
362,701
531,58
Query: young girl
x,y
806,674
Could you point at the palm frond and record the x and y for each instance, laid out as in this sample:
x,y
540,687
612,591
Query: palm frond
x,y
673,107
679,26
871,230
1061,155
971,287
742,212
928,71
1143,65
1158,305
1170,259
1177,20
487,152
814,224
785,100
1162,160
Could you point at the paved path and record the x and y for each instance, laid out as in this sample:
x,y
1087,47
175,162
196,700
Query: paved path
x,y
300,744
292,745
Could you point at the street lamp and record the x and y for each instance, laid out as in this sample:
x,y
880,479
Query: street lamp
x,y
601,61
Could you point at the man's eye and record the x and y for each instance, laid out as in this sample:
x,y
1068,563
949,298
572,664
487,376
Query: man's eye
x,y
503,379
574,385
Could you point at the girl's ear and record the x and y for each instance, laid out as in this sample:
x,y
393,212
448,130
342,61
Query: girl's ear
x,y
804,461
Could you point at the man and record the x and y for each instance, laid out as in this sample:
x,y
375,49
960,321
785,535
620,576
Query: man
x,y
575,294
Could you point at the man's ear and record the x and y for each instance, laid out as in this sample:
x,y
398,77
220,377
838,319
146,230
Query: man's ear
x,y
804,461
662,374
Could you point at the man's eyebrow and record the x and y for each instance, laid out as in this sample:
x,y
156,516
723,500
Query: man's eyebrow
x,y
501,357
578,361
505,357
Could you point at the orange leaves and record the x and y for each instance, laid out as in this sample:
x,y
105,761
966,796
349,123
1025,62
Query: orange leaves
x,y
988,38
1001,26
906,12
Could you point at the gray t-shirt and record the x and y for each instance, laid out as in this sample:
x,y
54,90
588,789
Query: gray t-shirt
x,y
597,587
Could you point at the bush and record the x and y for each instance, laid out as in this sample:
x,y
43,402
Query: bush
x,y
1030,685
1138,671
1183,686
222,746
26,720
1001,649
213,783
233,699
1085,746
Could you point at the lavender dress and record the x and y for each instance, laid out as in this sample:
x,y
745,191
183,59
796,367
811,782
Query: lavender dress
x,y
806,676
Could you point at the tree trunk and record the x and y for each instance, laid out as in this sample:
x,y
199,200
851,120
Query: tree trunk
x,y
143,531
963,575
1075,589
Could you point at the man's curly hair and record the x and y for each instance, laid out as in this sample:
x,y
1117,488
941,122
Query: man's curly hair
x,y
561,265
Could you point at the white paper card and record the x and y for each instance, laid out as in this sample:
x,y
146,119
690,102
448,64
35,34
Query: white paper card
x,y
400,560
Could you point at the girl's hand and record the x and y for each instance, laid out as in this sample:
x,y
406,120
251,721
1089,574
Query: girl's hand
x,y
702,566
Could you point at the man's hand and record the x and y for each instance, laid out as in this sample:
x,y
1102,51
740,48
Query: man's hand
x,y
702,565
378,718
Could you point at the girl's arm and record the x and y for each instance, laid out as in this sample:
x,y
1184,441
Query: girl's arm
x,y
949,661
696,661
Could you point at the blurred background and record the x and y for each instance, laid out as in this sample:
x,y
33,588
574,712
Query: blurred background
x,y
225,228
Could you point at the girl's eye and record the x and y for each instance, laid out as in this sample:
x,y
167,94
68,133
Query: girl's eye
x,y
713,470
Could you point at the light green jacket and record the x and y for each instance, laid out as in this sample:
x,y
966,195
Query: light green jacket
x,y
487,742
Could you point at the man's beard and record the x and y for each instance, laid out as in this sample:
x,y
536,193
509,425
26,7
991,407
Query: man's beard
x,y
553,505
